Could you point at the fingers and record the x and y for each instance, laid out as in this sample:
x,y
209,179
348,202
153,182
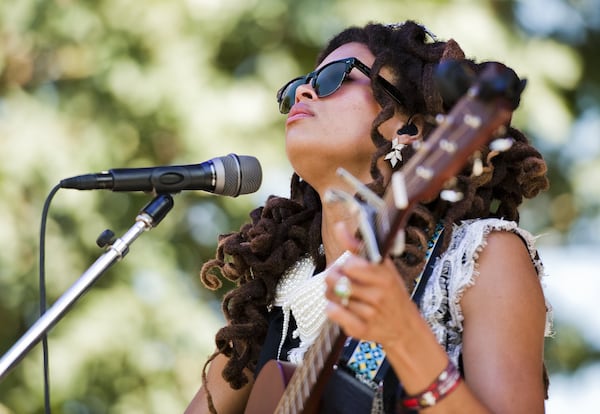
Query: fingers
x,y
348,280
361,293
345,288
344,307
361,271
342,288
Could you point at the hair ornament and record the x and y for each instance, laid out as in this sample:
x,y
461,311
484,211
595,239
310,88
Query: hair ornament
x,y
429,32
395,26
398,25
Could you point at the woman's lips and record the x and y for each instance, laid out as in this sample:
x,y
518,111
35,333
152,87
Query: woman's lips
x,y
298,111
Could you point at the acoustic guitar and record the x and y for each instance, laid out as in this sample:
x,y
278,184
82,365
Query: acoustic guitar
x,y
481,114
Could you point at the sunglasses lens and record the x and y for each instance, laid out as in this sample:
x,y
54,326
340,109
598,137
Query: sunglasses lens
x,y
287,96
330,79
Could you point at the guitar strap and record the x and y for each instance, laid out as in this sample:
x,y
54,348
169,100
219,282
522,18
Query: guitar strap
x,y
368,360
392,388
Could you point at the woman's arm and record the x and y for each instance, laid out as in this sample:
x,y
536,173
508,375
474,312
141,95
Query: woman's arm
x,y
503,338
225,399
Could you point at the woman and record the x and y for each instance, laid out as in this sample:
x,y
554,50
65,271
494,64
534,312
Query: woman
x,y
473,342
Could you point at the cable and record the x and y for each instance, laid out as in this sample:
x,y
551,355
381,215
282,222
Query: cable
x,y
42,283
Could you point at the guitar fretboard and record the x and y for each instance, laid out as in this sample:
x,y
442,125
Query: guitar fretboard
x,y
308,373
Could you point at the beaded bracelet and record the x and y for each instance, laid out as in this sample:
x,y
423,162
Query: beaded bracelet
x,y
443,385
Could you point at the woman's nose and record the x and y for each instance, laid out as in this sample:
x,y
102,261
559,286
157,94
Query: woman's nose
x,y
305,90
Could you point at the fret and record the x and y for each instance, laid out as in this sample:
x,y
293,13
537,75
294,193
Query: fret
x,y
313,376
327,341
306,390
286,407
320,361
299,401
312,372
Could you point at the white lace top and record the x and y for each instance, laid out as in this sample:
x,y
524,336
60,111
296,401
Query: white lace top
x,y
302,295
456,270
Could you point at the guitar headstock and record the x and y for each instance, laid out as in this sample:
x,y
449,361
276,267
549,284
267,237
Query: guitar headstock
x,y
484,111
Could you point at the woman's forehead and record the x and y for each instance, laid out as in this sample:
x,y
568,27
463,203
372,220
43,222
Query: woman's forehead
x,y
357,50
353,49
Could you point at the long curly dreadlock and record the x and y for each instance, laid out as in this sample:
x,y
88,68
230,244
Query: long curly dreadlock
x,y
285,229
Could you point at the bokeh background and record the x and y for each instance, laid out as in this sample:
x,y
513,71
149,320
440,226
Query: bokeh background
x,y
90,85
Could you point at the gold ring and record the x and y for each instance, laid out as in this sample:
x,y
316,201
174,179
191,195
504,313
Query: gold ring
x,y
343,290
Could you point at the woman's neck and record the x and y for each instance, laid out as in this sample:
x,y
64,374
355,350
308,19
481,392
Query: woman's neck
x,y
334,213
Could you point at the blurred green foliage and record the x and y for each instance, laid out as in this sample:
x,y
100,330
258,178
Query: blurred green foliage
x,y
90,85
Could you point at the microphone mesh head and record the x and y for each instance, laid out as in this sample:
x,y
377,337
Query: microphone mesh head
x,y
243,175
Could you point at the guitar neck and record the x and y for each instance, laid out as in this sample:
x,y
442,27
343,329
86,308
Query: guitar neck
x,y
302,394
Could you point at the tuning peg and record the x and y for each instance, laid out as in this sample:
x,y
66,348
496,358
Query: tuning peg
x,y
398,184
399,243
501,144
477,168
450,193
451,196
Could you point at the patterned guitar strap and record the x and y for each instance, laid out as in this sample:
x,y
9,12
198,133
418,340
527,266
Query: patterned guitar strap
x,y
367,359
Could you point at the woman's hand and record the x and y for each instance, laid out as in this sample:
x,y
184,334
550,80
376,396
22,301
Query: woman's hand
x,y
378,299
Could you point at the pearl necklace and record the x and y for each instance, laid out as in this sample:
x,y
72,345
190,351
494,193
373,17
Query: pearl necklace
x,y
301,294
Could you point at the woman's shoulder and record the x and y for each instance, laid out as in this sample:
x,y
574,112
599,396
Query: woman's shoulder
x,y
459,269
470,237
481,228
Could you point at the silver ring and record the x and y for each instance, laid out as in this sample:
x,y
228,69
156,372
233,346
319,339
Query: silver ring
x,y
343,290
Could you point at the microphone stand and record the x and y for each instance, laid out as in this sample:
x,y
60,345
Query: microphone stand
x,y
148,218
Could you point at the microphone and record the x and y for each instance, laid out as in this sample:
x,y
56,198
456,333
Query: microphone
x,y
230,175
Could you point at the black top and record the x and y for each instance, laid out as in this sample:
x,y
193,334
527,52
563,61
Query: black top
x,y
271,344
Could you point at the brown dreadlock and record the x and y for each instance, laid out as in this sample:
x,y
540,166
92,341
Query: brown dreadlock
x,y
285,229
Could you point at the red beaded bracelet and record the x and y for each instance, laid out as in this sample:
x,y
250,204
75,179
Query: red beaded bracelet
x,y
443,385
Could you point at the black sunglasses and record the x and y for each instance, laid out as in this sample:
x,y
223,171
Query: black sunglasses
x,y
327,80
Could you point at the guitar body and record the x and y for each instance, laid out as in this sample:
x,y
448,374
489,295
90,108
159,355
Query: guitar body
x,y
269,387
345,394
342,394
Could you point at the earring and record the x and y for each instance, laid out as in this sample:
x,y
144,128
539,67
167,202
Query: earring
x,y
408,129
395,154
